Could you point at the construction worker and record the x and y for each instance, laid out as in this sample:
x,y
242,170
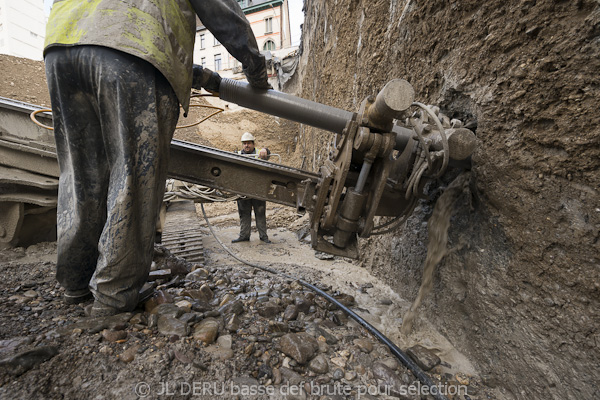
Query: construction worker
x,y
117,72
245,206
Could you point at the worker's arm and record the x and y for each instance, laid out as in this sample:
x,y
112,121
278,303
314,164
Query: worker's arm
x,y
227,22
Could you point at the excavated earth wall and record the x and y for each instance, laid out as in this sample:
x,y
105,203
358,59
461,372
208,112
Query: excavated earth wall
x,y
519,293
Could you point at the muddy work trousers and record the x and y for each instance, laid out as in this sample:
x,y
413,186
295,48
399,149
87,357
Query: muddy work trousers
x,y
260,214
114,117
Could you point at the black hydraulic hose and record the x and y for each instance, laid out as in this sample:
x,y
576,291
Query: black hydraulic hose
x,y
400,355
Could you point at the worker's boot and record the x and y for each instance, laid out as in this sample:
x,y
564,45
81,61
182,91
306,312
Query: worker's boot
x,y
240,239
96,311
77,296
102,311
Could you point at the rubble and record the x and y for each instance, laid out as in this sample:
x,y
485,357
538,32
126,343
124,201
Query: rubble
x,y
228,325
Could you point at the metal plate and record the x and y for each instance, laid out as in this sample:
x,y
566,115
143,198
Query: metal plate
x,y
32,198
237,174
19,177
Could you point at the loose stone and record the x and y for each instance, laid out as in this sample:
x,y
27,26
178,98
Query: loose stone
x,y
169,325
300,346
206,331
268,309
113,336
424,357
129,355
338,374
364,344
319,364
225,341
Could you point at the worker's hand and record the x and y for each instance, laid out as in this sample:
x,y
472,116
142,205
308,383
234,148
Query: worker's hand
x,y
260,84
205,79
264,154
258,79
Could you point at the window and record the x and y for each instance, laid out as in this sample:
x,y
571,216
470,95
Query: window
x,y
203,62
243,3
269,45
202,41
216,42
217,62
269,25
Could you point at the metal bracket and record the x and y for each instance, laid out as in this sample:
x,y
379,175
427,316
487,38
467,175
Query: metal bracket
x,y
341,162
381,171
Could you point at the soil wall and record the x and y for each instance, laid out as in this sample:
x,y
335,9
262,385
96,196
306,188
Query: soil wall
x,y
519,292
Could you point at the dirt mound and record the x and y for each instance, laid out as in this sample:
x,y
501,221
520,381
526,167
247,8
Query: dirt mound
x,y
224,130
24,80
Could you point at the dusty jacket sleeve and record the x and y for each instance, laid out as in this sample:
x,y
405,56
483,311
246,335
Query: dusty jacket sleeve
x,y
227,22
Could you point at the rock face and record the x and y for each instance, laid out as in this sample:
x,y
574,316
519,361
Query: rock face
x,y
527,72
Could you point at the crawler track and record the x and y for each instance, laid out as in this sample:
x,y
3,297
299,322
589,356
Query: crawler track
x,y
182,235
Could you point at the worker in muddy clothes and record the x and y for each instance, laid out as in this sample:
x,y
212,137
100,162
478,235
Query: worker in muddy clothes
x,y
245,206
117,72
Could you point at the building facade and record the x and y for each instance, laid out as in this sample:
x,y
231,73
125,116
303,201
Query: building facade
x,y
270,23
22,28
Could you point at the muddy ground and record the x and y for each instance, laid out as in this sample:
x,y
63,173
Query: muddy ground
x,y
520,292
166,348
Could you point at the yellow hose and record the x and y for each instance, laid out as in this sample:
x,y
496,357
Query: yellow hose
x,y
35,121
219,110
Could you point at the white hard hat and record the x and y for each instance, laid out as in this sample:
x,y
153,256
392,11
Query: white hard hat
x,y
247,136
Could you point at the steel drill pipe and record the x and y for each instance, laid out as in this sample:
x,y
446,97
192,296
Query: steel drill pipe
x,y
296,109
285,106
391,102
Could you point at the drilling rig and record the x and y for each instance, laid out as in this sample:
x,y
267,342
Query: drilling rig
x,y
383,156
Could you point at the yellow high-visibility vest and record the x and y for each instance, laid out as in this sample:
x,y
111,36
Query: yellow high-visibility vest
x,y
159,32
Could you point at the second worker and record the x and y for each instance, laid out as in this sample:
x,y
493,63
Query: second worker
x,y
245,206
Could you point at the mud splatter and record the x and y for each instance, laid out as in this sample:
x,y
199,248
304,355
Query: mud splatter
x,y
437,228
